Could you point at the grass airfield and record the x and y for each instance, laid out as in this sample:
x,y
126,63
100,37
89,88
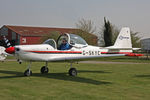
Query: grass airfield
x,y
94,81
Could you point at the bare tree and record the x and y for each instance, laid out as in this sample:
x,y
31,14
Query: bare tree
x,y
86,25
115,33
135,39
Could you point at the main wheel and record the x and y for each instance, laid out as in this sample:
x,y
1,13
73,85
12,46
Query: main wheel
x,y
28,72
44,69
72,72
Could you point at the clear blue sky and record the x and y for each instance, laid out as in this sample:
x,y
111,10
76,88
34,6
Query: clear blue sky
x,y
65,13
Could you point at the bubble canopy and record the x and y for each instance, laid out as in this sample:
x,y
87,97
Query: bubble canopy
x,y
72,39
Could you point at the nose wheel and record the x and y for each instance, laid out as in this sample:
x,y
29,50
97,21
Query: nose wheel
x,y
28,72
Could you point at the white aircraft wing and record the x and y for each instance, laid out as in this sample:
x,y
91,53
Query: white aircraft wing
x,y
2,57
2,53
116,48
83,57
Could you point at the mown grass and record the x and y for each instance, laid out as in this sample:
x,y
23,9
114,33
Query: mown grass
x,y
94,82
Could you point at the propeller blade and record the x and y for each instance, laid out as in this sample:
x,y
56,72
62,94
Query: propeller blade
x,y
7,43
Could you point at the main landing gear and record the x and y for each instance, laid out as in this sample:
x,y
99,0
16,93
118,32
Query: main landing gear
x,y
72,71
44,70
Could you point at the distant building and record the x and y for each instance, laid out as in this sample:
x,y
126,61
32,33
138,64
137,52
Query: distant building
x,y
22,35
145,43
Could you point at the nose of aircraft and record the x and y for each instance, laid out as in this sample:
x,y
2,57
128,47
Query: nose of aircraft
x,y
10,50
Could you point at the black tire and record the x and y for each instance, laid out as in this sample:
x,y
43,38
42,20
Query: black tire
x,y
44,70
28,72
20,62
72,72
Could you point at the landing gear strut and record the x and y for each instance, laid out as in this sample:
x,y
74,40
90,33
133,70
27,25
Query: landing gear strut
x,y
28,72
45,69
72,71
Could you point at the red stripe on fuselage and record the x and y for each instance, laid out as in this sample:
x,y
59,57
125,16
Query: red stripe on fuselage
x,y
127,53
59,52
116,52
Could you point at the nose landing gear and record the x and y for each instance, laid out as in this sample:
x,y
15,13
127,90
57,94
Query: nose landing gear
x,y
28,72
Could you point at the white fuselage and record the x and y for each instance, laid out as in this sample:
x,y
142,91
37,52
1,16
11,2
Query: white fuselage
x,y
45,52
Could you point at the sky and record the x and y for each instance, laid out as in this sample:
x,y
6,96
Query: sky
x,y
65,13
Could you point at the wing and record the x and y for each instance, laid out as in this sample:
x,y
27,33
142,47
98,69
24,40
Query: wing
x,y
83,57
2,56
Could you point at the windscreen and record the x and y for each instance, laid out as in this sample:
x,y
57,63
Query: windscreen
x,y
50,42
75,39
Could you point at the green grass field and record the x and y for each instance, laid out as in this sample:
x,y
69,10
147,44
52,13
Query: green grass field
x,y
94,82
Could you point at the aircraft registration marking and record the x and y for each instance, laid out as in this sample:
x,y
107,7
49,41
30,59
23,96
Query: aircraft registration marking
x,y
91,52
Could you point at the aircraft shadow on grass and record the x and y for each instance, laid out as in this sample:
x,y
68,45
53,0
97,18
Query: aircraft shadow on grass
x,y
59,76
143,76
89,71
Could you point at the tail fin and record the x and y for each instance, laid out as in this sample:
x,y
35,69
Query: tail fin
x,y
124,39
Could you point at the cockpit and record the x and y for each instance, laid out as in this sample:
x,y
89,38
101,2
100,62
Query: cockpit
x,y
72,39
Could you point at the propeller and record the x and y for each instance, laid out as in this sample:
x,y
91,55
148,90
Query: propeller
x,y
9,48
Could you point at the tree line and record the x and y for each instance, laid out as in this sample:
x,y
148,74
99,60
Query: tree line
x,y
107,34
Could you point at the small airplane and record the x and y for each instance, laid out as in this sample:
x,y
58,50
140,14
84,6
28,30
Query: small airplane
x,y
50,51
